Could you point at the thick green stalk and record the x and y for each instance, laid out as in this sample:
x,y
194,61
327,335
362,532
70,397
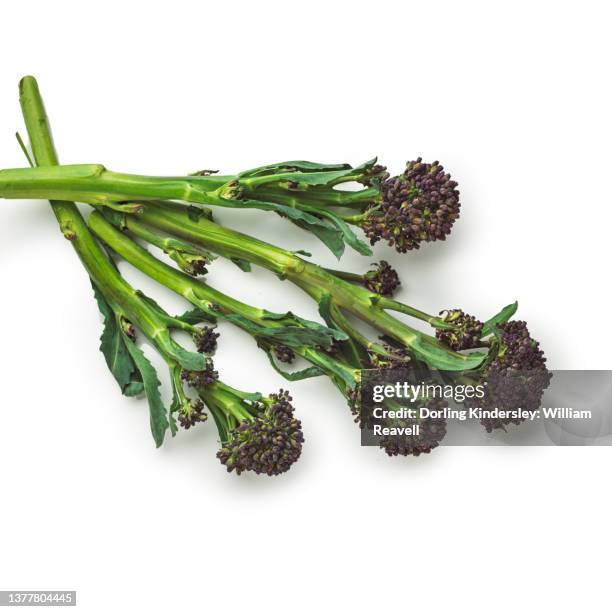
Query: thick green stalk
x,y
303,192
125,301
202,295
123,298
219,396
170,217
94,184
314,280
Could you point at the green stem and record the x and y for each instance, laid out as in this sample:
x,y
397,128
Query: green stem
x,y
201,295
314,280
222,397
198,293
94,184
170,218
122,298
389,304
166,244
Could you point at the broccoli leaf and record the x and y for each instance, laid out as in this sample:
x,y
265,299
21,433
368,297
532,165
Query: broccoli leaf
x,y
427,349
116,354
328,334
112,216
333,235
343,229
195,316
157,410
195,212
501,317
292,166
316,178
174,407
304,173
325,310
187,359
330,236
243,264
354,353
292,334
310,372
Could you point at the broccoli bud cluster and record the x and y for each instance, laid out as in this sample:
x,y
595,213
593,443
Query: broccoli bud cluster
x,y
374,175
517,376
198,266
384,280
284,354
466,333
420,205
192,415
268,444
206,340
202,378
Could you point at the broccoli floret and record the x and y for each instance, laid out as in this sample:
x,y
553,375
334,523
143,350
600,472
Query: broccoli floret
x,y
205,339
516,377
201,378
261,436
466,332
420,205
384,280
284,354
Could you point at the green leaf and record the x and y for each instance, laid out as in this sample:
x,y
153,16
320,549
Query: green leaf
x,y
116,354
343,228
243,264
157,410
292,166
351,238
112,216
327,234
151,302
135,387
304,174
175,406
195,212
327,334
289,335
331,333
310,372
355,354
366,165
335,369
187,359
501,317
333,237
427,349
195,316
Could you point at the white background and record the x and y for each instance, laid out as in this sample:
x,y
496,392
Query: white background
x,y
514,101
